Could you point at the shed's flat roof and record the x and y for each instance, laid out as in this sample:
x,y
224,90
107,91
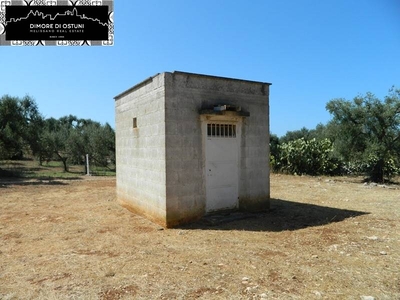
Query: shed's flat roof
x,y
135,87
183,73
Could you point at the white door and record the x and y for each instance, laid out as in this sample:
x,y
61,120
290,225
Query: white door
x,y
222,144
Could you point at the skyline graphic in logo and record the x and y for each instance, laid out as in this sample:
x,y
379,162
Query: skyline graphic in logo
x,y
57,24
44,17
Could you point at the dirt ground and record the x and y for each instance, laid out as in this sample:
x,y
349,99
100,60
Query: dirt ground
x,y
324,238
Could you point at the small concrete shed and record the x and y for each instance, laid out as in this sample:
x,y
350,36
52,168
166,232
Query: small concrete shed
x,y
190,144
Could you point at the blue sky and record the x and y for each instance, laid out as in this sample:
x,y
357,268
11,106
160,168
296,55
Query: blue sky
x,y
311,52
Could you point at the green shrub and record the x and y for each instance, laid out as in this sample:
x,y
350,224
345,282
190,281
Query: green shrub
x,y
313,157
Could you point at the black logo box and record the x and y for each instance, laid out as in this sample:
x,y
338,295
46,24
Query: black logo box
x,y
57,23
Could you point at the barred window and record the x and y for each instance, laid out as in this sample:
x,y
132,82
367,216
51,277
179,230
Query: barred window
x,y
221,130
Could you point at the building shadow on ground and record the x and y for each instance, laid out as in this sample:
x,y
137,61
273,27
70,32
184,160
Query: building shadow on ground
x,y
20,181
283,215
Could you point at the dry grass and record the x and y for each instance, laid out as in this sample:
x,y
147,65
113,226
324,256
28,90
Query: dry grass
x,y
323,239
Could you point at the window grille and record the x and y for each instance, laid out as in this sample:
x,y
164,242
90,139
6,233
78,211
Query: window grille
x,y
221,130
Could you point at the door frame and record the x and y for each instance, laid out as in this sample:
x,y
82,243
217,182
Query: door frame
x,y
222,119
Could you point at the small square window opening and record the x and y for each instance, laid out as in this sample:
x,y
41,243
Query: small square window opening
x,y
221,130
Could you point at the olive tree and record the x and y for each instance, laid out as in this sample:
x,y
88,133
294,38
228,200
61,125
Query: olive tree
x,y
366,131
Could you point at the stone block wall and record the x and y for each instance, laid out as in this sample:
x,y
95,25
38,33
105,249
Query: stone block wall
x,y
186,94
140,152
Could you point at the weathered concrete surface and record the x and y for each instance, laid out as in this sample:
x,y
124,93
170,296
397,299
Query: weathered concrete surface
x,y
140,152
160,165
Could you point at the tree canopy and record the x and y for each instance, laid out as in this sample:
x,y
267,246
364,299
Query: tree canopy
x,y
363,136
23,130
20,125
368,130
